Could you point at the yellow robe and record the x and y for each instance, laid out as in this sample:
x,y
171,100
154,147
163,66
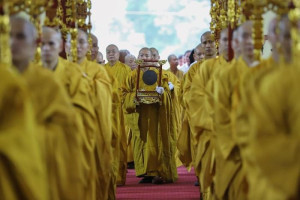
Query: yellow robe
x,y
200,109
153,136
59,132
179,74
77,85
102,138
176,94
119,72
22,166
230,175
184,144
271,122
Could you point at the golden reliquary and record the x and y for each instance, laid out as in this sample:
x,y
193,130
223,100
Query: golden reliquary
x,y
149,78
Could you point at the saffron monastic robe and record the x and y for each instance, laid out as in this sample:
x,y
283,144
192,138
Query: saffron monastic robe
x,y
230,174
200,108
101,137
22,165
59,133
119,72
153,137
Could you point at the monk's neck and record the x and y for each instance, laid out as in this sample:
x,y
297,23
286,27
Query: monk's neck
x,y
249,60
174,69
80,60
21,66
51,65
208,57
112,63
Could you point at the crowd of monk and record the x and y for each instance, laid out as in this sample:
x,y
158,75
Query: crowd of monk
x,y
69,129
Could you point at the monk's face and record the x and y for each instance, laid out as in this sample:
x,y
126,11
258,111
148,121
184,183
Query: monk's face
x,y
173,62
245,39
223,43
235,44
112,54
22,41
51,45
208,44
155,55
144,54
199,54
95,47
99,59
82,44
131,62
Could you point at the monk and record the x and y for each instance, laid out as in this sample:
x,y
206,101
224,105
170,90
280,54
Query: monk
x,y
77,85
123,53
228,159
95,47
101,138
173,61
57,126
185,143
265,182
99,58
200,109
119,72
153,138
22,166
130,61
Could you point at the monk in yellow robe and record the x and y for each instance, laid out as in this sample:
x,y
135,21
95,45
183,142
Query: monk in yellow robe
x,y
130,61
185,143
58,129
228,158
77,85
200,109
100,136
174,80
95,48
153,139
22,166
254,102
119,72
173,61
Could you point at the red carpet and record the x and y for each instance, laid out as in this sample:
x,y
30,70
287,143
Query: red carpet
x,y
183,188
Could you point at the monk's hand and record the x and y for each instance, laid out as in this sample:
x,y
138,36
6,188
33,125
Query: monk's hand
x,y
160,90
171,86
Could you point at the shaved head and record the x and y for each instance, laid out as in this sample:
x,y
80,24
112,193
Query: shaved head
x,y
245,40
130,61
145,53
112,54
199,52
154,53
208,44
223,43
95,47
23,37
51,47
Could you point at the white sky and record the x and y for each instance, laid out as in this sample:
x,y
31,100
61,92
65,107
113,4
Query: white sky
x,y
189,18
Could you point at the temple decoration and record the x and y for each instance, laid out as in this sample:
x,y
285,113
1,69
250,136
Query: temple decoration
x,y
5,53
